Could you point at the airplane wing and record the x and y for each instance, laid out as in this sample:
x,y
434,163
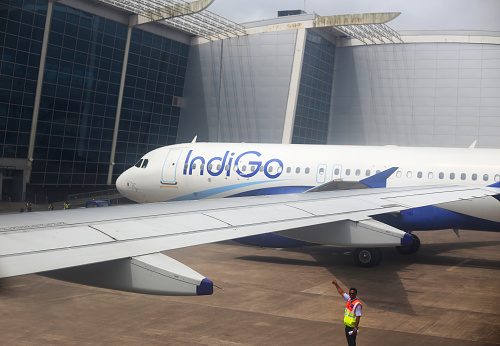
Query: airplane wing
x,y
119,247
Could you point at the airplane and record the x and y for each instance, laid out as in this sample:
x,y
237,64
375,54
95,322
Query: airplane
x,y
120,247
196,170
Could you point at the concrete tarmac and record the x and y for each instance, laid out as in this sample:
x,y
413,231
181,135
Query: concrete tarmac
x,y
446,294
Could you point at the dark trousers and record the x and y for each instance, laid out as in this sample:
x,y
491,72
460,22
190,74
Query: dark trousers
x,y
351,339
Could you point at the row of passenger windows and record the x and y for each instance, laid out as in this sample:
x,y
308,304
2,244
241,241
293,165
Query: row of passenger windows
x,y
348,172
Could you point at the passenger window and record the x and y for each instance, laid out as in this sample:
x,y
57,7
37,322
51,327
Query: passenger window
x,y
399,174
337,171
261,169
270,169
244,168
474,176
194,166
452,176
218,166
226,168
486,177
358,172
419,175
463,176
185,166
348,171
210,167
497,177
321,170
307,170
139,163
202,166
280,169
235,168
430,175
367,173
252,168
288,169
297,170
441,175
408,174
145,163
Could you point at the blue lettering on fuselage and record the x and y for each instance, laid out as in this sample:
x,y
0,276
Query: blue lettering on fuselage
x,y
251,156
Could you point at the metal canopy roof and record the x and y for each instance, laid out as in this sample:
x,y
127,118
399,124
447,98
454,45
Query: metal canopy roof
x,y
364,26
187,16
370,32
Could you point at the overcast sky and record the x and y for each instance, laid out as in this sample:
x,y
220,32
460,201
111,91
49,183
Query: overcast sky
x,y
415,15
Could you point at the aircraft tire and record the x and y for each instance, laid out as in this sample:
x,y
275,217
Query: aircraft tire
x,y
410,249
367,257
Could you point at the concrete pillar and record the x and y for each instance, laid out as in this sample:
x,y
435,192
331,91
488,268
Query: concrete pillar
x,y
293,91
38,92
119,107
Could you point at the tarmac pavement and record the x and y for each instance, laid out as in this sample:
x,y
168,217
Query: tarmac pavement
x,y
446,294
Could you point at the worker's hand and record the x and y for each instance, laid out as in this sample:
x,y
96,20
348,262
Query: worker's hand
x,y
354,331
334,282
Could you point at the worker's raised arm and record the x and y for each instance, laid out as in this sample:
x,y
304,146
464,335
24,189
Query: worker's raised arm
x,y
341,292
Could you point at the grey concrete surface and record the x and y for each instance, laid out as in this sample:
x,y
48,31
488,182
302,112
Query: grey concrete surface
x,y
447,294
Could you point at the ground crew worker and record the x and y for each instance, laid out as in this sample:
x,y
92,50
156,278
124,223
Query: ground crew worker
x,y
51,207
28,205
352,313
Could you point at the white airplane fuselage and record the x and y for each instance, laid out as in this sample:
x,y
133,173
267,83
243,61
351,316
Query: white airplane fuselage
x,y
210,170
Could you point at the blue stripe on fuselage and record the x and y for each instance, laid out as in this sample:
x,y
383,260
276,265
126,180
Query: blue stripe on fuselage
x,y
215,191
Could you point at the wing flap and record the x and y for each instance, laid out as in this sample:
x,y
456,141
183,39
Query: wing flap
x,y
50,239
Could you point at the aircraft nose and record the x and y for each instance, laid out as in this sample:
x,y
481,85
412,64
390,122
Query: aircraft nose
x,y
123,184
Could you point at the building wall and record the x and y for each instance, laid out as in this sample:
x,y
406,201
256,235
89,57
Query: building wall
x,y
418,94
80,88
21,35
237,89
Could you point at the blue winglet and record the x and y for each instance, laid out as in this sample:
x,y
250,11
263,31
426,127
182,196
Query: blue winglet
x,y
206,287
497,184
379,179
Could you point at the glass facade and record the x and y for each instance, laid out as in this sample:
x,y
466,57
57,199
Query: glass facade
x,y
21,35
315,91
149,118
79,99
80,89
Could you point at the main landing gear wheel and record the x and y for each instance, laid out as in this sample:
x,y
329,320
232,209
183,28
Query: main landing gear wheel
x,y
367,257
409,249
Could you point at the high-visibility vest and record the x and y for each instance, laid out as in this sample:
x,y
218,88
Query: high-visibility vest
x,y
350,312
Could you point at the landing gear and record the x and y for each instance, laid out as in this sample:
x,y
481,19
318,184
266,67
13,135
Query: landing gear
x,y
367,257
409,249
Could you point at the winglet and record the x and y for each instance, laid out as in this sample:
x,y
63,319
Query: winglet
x,y
473,145
194,139
379,179
497,184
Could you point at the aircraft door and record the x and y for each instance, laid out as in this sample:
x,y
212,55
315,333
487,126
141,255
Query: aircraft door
x,y
321,174
337,172
169,170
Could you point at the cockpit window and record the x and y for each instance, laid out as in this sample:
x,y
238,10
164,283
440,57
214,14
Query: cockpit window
x,y
145,163
139,163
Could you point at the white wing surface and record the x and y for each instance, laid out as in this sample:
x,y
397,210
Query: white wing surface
x,y
134,234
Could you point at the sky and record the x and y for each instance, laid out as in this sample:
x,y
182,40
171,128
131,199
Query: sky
x,y
415,14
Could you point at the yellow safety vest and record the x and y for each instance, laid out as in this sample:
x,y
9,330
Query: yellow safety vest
x,y
350,312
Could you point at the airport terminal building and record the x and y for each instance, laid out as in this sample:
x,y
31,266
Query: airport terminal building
x,y
86,88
